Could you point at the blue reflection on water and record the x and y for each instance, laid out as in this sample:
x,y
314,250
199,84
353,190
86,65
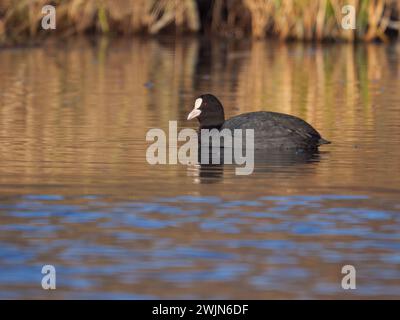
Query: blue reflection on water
x,y
265,243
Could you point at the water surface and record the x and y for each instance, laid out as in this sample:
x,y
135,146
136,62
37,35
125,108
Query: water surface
x,y
76,191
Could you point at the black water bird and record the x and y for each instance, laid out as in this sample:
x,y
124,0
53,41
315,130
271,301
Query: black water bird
x,y
272,130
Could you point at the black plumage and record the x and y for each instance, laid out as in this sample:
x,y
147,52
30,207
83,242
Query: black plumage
x,y
272,130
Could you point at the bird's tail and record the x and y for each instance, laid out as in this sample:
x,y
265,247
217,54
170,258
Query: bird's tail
x,y
323,141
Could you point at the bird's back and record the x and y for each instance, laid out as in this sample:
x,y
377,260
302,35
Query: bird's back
x,y
273,130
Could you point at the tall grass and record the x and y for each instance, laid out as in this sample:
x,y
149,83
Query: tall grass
x,y
322,19
19,19
286,19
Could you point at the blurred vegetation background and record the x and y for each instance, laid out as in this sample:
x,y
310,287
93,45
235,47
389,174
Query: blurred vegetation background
x,y
286,19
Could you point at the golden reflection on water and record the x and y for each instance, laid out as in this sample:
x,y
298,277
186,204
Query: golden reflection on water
x,y
73,120
69,111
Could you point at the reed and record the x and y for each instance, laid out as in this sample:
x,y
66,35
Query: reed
x,y
21,19
285,19
321,19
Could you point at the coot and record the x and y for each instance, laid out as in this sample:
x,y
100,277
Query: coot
x,y
272,130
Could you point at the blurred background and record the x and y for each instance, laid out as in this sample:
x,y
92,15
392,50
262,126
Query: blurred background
x,y
294,19
77,192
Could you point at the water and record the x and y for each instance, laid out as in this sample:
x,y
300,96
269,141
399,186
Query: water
x,y
76,191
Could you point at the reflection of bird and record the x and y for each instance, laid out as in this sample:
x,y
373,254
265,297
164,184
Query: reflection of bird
x,y
212,170
272,130
206,173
